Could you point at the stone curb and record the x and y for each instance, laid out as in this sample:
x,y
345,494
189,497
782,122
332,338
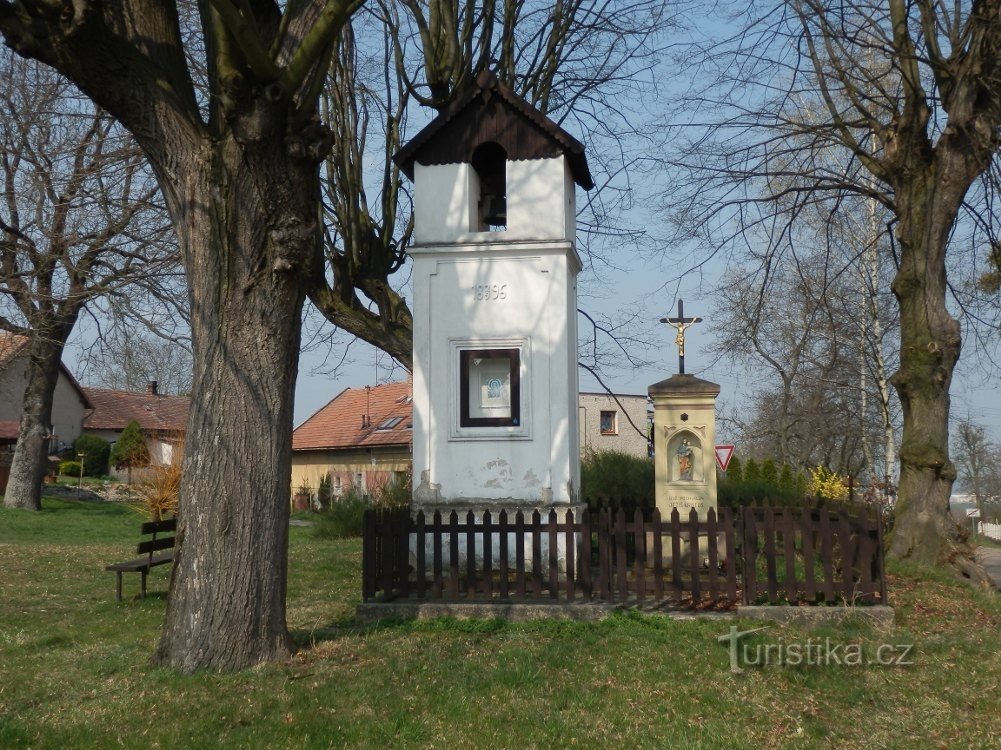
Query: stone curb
x,y
880,615
513,612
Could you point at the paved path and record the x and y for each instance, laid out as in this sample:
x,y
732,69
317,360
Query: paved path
x,y
990,558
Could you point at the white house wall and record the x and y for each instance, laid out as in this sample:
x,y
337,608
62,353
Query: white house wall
x,y
161,450
67,406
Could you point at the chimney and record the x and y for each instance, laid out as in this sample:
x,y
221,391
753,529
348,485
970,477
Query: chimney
x,y
151,388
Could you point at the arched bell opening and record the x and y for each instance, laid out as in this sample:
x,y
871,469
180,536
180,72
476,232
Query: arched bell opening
x,y
490,163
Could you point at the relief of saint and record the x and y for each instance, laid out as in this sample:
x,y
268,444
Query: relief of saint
x,y
686,460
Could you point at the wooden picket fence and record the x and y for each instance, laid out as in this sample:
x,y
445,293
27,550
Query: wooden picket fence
x,y
750,555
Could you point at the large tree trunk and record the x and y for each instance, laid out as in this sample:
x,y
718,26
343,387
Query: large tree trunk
x,y
24,488
930,344
249,231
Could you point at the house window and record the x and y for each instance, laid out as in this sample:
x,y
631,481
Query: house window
x,y
489,387
337,485
609,423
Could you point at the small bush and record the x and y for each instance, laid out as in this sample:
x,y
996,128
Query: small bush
x,y
617,480
344,517
69,468
394,495
324,493
160,489
827,485
95,454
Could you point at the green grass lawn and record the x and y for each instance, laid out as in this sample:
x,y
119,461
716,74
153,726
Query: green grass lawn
x,y
75,673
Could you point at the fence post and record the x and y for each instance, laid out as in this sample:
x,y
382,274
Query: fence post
x,y
750,555
620,554
368,556
658,554
789,552
712,534
554,541
571,555
502,540
639,560
419,542
604,566
585,555
807,529
519,546
488,569
880,557
470,555
437,572
676,554
402,551
453,555
536,531
694,559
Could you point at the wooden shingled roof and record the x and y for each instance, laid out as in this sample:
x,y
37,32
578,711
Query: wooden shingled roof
x,y
338,425
113,410
492,111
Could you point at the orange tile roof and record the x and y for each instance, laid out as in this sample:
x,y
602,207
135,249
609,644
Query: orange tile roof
x,y
338,425
113,410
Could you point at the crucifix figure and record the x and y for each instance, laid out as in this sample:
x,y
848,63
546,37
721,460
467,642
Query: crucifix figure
x,y
682,324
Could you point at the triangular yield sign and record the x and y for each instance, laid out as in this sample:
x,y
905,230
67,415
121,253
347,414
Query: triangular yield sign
x,y
723,455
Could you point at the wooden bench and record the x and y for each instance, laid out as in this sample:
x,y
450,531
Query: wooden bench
x,y
152,554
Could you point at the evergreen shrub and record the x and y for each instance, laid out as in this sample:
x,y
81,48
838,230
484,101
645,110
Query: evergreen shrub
x,y
96,452
613,479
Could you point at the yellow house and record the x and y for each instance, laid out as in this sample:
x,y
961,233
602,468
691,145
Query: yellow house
x,y
361,439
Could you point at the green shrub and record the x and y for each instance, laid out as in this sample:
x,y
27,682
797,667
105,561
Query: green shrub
x,y
734,472
96,452
769,474
343,518
615,480
69,468
760,484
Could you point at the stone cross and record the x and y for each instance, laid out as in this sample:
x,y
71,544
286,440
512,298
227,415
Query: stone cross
x,y
682,324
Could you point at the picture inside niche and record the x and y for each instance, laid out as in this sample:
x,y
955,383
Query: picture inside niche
x,y
490,387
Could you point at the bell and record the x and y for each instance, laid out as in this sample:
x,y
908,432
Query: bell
x,y
495,211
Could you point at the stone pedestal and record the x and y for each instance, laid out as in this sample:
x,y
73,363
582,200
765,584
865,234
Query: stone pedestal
x,y
684,423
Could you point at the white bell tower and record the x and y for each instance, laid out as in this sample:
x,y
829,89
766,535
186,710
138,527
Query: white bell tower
x,y
495,300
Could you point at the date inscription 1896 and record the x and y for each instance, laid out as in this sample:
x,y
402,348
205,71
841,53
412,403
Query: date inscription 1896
x,y
489,292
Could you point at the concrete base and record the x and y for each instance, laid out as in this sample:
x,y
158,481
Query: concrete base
x,y
880,616
513,612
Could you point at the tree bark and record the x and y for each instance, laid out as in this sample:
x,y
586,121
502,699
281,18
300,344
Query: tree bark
x,y
250,236
243,192
930,344
24,488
